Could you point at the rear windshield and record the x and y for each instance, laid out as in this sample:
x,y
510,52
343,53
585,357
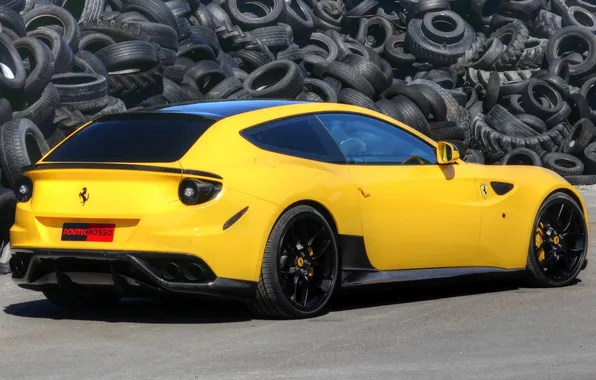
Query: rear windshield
x,y
133,138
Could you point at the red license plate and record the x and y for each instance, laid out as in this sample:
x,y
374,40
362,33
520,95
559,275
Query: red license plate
x,y
88,232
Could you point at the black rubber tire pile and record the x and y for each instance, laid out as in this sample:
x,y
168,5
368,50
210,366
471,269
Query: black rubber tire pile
x,y
508,82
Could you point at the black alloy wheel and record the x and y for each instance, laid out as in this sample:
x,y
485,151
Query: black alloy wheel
x,y
559,242
300,266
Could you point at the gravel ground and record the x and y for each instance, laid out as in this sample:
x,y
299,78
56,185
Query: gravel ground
x,y
475,331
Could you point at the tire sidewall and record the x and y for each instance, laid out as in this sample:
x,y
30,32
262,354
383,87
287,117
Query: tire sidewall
x,y
275,240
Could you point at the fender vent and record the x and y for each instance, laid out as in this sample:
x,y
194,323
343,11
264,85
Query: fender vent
x,y
501,188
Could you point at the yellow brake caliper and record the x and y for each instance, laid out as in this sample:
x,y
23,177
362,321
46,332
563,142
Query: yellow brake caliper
x,y
538,240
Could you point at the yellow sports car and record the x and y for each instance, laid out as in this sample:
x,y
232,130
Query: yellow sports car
x,y
280,204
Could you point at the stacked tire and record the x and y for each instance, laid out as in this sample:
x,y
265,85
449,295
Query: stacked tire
x,y
497,78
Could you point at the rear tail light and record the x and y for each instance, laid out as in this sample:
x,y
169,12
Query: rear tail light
x,y
23,189
193,191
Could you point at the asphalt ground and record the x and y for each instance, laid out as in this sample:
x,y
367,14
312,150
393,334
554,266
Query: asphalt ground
x,y
492,330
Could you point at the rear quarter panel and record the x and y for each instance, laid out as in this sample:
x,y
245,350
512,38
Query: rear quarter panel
x,y
507,220
277,178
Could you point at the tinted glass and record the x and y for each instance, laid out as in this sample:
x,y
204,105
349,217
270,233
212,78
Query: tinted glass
x,y
128,138
299,136
365,140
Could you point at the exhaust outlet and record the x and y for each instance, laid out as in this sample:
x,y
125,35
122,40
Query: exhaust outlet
x,y
193,272
172,271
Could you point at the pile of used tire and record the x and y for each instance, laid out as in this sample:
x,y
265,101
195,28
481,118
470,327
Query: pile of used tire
x,y
507,81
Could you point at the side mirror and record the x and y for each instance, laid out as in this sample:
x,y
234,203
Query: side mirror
x,y
446,153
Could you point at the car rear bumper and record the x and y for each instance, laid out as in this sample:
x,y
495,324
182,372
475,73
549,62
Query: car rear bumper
x,y
128,273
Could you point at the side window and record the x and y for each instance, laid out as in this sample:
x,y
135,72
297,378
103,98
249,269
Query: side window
x,y
365,140
302,136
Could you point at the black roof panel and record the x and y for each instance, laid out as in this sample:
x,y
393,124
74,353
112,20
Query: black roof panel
x,y
220,109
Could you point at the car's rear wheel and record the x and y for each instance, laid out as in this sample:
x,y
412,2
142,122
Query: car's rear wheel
x,y
300,266
559,242
78,301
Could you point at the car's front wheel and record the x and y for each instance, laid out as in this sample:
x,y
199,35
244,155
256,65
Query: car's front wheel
x,y
300,266
558,246
76,301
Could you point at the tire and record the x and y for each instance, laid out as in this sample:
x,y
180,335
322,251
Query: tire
x,y
86,62
517,34
411,115
13,62
85,10
62,53
368,70
41,58
521,156
349,77
77,302
474,156
276,13
373,32
493,49
39,17
446,130
546,24
163,35
276,79
225,88
439,54
21,144
533,122
573,32
175,73
536,276
323,89
299,16
503,121
129,55
563,164
585,19
94,42
42,109
270,300
533,54
582,134
155,10
537,89
11,20
356,98
394,51
84,92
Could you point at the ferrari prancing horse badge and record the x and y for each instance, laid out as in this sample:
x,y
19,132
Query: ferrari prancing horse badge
x,y
484,190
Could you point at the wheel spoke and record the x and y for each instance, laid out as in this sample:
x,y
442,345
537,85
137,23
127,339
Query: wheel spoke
x,y
574,251
325,285
303,235
559,215
305,297
319,252
568,223
550,256
303,290
296,280
312,239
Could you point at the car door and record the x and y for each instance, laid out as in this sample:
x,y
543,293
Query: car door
x,y
414,212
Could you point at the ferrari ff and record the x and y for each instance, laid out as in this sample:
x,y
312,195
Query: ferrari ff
x,y
280,204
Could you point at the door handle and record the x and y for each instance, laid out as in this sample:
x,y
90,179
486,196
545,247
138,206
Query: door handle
x,y
364,193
